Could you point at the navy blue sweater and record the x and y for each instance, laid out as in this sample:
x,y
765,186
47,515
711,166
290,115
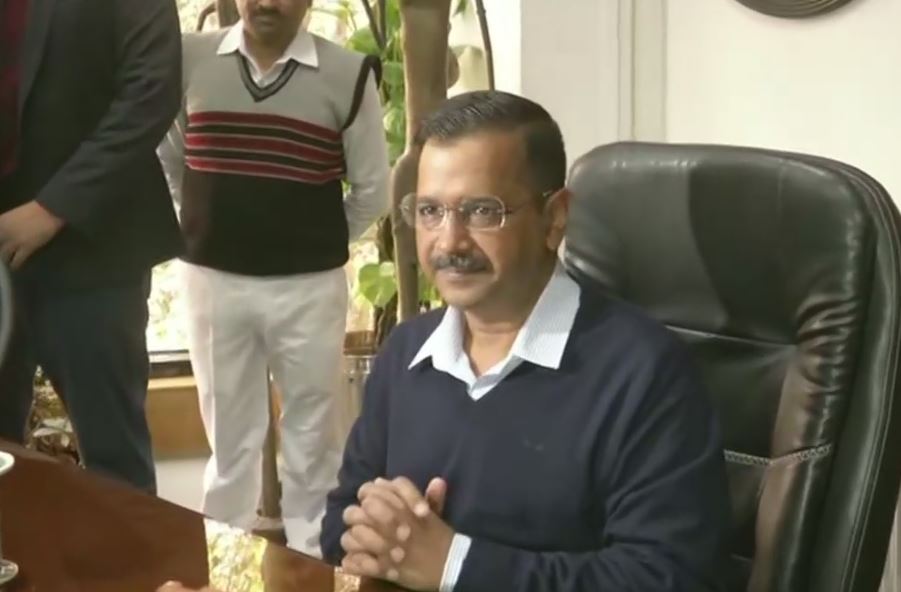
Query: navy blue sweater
x,y
605,475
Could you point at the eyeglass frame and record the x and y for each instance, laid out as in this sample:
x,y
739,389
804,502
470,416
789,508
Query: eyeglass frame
x,y
458,209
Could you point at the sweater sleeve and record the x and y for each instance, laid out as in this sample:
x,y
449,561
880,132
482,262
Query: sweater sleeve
x,y
364,456
171,153
366,154
666,503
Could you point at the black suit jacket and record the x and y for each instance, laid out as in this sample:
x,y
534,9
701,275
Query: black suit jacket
x,y
100,86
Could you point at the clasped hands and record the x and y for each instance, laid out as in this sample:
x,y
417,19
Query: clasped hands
x,y
396,533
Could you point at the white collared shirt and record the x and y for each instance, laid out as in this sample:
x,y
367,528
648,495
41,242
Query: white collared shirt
x,y
302,50
541,341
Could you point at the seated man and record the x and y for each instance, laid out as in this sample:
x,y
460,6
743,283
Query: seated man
x,y
535,435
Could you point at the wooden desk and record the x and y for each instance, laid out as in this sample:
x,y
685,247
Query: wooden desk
x,y
71,531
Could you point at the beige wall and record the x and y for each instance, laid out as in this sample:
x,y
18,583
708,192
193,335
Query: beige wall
x,y
564,54
829,85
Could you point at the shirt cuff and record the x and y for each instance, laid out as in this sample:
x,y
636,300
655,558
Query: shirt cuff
x,y
458,550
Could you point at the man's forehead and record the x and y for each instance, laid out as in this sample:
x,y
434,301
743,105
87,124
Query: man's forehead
x,y
501,139
470,156
453,182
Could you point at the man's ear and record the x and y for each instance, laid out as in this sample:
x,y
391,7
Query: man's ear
x,y
557,214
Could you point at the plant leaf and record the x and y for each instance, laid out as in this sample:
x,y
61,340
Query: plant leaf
x,y
395,121
428,293
393,73
377,283
363,41
392,18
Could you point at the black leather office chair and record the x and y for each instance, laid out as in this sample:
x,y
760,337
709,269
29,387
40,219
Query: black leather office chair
x,y
782,272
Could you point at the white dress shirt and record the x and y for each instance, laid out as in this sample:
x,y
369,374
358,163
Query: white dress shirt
x,y
541,341
302,50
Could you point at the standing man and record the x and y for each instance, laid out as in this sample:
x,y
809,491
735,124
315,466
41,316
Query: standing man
x,y
273,120
87,90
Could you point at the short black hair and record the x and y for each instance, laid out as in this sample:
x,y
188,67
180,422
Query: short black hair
x,y
492,110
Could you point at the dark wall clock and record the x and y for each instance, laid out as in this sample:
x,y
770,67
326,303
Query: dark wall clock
x,y
793,8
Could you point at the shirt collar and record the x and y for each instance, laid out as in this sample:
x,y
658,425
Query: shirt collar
x,y
302,48
541,340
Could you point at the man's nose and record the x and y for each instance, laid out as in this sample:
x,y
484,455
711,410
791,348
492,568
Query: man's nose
x,y
453,236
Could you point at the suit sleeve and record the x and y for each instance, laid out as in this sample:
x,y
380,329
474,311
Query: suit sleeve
x,y
146,100
666,505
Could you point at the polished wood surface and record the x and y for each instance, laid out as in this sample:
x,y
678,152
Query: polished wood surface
x,y
70,531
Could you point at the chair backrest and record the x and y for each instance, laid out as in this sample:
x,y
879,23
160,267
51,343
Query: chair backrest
x,y
782,272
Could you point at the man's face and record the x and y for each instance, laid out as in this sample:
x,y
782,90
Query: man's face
x,y
272,19
484,269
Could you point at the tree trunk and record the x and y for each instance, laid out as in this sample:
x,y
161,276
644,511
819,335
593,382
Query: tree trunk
x,y
204,15
486,41
227,12
426,24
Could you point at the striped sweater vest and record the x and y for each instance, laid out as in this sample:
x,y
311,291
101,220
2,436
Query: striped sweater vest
x,y
261,192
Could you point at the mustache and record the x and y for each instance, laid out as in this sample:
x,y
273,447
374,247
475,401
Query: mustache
x,y
267,12
460,262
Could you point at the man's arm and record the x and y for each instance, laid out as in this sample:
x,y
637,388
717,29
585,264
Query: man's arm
x,y
366,155
365,456
667,506
147,98
172,156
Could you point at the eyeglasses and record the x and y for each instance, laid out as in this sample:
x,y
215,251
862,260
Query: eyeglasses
x,y
475,213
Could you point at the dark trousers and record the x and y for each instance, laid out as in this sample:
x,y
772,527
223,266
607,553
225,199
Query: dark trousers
x,y
91,344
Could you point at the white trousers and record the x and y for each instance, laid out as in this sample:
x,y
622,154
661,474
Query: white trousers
x,y
240,326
